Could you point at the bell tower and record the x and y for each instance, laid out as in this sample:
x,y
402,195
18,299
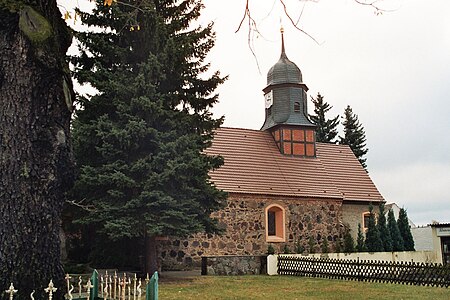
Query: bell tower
x,y
286,108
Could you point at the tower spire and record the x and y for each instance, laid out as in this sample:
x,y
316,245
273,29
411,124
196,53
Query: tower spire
x,y
285,107
283,52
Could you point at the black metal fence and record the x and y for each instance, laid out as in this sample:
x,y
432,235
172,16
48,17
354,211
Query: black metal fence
x,y
366,270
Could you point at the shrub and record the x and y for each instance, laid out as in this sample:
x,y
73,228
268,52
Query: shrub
x,y
311,244
325,246
299,249
360,244
349,243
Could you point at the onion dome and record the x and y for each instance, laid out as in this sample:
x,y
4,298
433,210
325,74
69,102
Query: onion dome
x,y
284,71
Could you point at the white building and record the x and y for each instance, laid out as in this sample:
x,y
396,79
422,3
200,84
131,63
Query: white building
x,y
434,237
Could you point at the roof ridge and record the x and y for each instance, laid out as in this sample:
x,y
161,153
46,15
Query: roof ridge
x,y
238,128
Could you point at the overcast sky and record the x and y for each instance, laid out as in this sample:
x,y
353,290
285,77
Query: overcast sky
x,y
392,69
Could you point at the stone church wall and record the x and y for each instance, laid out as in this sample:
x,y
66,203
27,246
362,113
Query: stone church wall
x,y
352,215
244,222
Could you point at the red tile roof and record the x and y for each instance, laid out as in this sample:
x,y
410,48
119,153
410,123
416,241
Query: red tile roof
x,y
254,165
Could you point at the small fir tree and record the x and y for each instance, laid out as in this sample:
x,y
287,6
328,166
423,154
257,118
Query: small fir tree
x,y
373,239
286,249
385,233
405,230
326,130
311,244
397,239
360,244
325,248
338,246
354,135
270,249
299,249
349,243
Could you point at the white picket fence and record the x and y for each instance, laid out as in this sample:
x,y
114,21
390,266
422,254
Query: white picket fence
x,y
101,286
401,256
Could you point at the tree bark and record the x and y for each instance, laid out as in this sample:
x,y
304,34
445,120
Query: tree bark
x,y
36,165
151,255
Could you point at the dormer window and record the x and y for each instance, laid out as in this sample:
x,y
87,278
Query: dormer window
x,y
296,106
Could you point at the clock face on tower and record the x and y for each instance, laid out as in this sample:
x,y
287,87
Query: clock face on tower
x,y
269,99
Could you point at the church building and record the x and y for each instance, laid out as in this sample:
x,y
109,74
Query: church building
x,y
284,188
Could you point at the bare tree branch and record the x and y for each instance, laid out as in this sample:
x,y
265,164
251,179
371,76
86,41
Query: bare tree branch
x,y
294,23
251,29
301,14
246,13
252,25
86,207
375,4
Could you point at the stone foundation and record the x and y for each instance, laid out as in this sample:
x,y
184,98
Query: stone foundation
x,y
234,265
244,222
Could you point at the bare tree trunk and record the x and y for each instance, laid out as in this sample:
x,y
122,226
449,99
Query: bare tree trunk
x,y
35,150
151,255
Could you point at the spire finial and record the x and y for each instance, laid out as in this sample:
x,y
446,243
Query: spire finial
x,y
283,53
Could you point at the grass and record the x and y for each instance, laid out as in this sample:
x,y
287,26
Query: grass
x,y
289,287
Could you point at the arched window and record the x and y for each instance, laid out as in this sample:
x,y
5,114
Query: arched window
x,y
365,219
296,106
275,223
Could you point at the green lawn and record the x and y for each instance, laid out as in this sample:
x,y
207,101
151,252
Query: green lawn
x,y
289,287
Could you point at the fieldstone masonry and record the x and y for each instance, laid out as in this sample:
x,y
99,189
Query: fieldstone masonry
x,y
234,265
243,221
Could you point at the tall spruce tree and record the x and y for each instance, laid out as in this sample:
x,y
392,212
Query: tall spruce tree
x,y
36,166
360,244
373,240
405,230
397,239
385,234
349,243
326,129
354,135
139,141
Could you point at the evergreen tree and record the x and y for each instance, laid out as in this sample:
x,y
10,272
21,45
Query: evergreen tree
x,y
405,230
373,240
349,243
299,249
36,163
326,129
311,244
397,239
354,135
360,244
139,141
337,246
286,249
324,246
385,234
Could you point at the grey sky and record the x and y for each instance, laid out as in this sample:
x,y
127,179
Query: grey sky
x,y
393,70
